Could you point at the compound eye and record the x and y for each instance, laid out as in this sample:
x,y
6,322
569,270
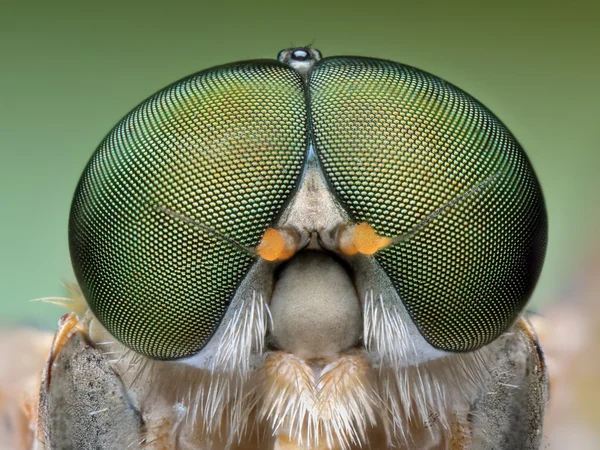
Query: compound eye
x,y
447,186
208,161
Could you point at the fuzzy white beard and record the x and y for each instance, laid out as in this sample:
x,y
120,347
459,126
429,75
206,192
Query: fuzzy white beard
x,y
250,395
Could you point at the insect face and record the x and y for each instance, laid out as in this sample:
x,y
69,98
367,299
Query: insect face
x,y
225,155
325,225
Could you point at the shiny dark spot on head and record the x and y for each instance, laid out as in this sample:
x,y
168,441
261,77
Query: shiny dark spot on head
x,y
300,55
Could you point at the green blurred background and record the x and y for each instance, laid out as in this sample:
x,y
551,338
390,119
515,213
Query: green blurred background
x,y
70,71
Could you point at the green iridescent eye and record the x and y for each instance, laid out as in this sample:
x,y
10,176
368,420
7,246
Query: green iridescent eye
x,y
223,148
397,144
170,208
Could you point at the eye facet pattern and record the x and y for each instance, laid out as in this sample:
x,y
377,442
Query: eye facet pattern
x,y
222,148
396,145
198,172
